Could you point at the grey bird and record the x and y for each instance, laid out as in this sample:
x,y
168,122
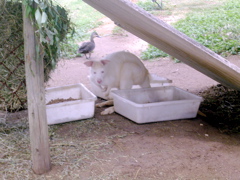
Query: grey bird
x,y
88,47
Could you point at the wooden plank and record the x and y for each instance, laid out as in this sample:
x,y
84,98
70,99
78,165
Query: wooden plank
x,y
163,36
36,101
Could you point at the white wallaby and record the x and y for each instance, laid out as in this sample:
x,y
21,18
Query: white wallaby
x,y
119,70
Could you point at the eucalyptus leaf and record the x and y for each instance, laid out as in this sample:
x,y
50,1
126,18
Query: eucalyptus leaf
x,y
55,31
50,35
28,10
57,39
42,39
36,1
50,32
43,5
38,16
44,18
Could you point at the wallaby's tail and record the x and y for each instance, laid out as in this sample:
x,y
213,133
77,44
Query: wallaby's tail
x,y
157,79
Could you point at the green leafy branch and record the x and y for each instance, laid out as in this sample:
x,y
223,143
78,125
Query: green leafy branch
x,y
52,24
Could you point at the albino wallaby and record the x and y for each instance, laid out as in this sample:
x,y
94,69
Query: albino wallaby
x,y
119,70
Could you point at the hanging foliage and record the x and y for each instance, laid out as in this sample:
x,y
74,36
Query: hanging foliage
x,y
52,24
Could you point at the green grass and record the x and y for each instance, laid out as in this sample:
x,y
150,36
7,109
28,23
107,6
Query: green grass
x,y
152,52
149,5
119,31
217,28
85,19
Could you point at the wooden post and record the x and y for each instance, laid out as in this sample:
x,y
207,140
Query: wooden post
x,y
163,36
36,100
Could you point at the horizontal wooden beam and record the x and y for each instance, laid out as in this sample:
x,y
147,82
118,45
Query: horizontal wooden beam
x,y
163,36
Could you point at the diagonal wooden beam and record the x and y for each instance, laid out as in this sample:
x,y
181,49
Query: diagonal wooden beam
x,y
163,36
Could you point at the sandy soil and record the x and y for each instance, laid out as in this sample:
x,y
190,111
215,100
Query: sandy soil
x,y
182,149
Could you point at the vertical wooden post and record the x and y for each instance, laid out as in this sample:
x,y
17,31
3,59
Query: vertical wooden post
x,y
36,100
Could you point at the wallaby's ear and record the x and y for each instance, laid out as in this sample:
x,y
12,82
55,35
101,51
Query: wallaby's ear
x,y
88,63
105,61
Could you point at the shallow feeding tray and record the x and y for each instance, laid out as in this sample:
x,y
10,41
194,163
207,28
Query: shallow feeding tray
x,y
155,81
69,103
156,104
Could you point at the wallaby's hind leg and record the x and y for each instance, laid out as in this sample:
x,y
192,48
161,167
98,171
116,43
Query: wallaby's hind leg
x,y
105,103
107,111
129,75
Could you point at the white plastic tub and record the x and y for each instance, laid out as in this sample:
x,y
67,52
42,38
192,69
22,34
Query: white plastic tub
x,y
155,81
82,108
156,104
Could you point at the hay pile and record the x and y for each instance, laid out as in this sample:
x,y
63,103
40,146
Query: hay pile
x,y
12,70
70,156
12,73
222,108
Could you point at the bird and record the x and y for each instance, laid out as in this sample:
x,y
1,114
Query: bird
x,y
88,47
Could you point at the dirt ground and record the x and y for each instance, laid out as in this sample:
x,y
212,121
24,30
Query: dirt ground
x,y
113,147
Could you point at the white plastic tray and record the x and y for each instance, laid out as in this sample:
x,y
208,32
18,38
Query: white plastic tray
x,y
156,104
156,81
69,110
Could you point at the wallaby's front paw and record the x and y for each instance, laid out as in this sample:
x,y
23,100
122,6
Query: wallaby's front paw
x,y
98,105
106,95
104,89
